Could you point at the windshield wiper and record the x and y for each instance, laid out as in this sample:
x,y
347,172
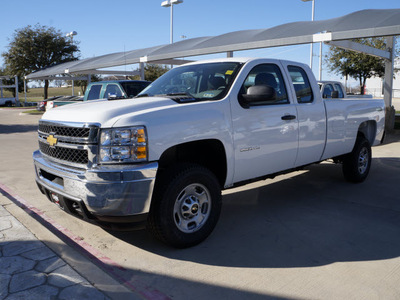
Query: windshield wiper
x,y
180,94
181,97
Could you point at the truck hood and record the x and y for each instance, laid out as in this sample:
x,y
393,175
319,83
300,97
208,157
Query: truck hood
x,y
105,112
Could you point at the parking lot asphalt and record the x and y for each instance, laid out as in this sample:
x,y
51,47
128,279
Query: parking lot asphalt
x,y
304,235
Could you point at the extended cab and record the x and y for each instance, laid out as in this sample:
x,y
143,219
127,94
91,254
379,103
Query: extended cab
x,y
164,157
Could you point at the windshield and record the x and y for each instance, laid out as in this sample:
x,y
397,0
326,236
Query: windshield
x,y
209,81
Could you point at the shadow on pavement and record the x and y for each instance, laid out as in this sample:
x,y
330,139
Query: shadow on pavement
x,y
393,137
44,271
311,219
7,129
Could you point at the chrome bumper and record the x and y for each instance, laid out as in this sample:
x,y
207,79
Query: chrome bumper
x,y
111,192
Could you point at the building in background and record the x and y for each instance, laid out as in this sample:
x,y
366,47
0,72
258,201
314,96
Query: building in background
x,y
374,86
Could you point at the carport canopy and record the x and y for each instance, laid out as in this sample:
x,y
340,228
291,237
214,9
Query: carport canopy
x,y
337,31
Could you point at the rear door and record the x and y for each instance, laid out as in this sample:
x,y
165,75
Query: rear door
x,y
265,136
311,114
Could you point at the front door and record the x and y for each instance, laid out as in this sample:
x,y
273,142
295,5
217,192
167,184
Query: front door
x,y
265,135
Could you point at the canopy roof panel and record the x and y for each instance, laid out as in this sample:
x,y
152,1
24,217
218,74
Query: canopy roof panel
x,y
360,24
54,70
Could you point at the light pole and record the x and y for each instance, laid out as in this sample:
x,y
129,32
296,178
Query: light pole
x,y
170,3
71,35
312,19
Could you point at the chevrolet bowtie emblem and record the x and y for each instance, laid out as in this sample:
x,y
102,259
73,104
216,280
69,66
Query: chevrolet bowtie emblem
x,y
51,140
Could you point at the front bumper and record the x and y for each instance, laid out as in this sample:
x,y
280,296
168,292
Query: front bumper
x,y
112,194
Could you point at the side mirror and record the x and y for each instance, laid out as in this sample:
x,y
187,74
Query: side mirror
x,y
111,97
259,94
115,97
335,94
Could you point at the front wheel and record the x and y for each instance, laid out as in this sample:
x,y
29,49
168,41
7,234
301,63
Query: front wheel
x,y
186,205
356,164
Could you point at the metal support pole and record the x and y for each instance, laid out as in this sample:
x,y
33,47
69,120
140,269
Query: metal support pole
x,y
312,45
229,54
73,92
311,55
141,70
388,84
172,24
320,61
16,90
24,89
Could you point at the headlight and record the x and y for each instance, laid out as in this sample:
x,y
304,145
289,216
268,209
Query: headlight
x,y
123,145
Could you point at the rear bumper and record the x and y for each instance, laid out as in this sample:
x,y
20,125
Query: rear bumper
x,y
111,194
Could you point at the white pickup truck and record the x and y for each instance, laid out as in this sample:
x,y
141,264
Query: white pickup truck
x,y
332,89
163,157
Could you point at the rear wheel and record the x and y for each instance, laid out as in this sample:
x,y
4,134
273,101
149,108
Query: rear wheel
x,y
356,164
186,205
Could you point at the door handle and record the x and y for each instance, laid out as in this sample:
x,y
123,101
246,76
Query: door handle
x,y
288,117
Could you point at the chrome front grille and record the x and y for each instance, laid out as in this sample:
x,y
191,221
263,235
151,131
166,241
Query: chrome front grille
x,y
78,156
64,130
73,144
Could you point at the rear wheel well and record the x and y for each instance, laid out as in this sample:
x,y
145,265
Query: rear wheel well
x,y
207,153
367,129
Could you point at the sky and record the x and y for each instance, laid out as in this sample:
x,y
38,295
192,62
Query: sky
x,y
105,27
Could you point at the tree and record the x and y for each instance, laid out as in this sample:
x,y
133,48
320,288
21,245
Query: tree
x,y
360,66
38,47
84,83
152,72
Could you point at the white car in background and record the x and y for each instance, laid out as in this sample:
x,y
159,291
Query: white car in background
x,y
332,89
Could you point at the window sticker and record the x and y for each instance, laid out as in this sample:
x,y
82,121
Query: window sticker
x,y
229,72
208,95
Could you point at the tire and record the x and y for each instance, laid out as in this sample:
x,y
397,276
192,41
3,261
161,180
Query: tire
x,y
186,205
8,104
356,164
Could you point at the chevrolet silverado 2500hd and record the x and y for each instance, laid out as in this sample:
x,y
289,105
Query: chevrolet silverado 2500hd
x,y
164,158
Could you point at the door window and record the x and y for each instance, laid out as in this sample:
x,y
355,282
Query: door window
x,y
328,89
339,89
266,75
94,92
301,84
113,89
